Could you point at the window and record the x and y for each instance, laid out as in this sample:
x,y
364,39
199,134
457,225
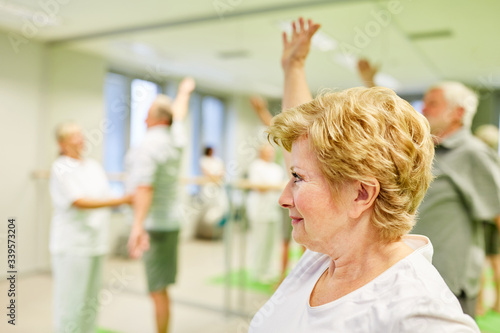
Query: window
x,y
207,114
116,92
127,103
143,93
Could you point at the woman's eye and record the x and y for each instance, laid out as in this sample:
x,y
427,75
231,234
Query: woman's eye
x,y
296,176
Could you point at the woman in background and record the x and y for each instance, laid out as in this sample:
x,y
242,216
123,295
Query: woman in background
x,y
80,196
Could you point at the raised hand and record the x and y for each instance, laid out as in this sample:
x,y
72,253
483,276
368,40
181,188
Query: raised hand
x,y
296,48
187,85
367,72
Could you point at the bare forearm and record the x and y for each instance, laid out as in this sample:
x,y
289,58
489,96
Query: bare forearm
x,y
265,116
95,203
180,106
296,90
142,202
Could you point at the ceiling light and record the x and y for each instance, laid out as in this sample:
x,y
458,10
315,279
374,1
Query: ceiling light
x,y
233,54
430,34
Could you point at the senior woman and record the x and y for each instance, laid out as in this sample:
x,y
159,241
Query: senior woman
x,y
360,165
79,231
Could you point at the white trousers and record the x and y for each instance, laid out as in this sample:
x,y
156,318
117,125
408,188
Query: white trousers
x,y
263,250
77,281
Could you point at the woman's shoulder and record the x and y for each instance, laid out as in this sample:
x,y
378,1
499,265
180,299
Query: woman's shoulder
x,y
416,294
414,275
414,298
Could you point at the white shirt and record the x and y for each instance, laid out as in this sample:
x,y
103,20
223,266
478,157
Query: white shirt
x,y
156,162
74,230
212,165
263,207
410,296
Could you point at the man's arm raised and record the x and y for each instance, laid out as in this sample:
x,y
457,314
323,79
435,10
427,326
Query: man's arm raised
x,y
180,105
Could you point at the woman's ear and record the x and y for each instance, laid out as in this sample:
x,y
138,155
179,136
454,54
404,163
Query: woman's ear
x,y
365,195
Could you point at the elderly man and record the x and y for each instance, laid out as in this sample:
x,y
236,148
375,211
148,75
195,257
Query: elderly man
x,y
466,191
153,173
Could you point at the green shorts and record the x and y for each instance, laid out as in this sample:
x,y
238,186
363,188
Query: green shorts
x,y
161,259
491,239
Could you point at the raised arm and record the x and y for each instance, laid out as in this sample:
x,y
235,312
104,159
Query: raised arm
x,y
260,107
295,51
180,105
367,72
180,108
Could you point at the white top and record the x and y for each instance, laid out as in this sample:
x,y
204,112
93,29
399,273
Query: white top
x,y
74,230
156,162
212,165
263,207
410,296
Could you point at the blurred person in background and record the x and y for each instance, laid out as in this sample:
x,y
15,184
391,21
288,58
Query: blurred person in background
x,y
215,205
79,233
489,134
465,192
259,105
153,172
211,165
263,212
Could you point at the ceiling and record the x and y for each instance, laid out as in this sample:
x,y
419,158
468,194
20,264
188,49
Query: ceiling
x,y
235,45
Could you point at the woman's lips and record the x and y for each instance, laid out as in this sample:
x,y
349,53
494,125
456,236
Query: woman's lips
x,y
296,219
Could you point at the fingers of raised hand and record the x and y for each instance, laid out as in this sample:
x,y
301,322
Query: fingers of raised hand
x,y
301,25
294,30
285,40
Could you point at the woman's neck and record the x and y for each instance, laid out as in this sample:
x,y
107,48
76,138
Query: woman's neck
x,y
362,253
355,269
364,263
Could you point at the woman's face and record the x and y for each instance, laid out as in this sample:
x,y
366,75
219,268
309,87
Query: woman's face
x,y
73,145
318,216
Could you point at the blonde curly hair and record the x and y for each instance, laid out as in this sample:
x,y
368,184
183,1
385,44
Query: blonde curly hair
x,y
361,134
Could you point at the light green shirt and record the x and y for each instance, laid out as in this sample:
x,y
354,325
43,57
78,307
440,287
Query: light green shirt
x,y
156,162
465,192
